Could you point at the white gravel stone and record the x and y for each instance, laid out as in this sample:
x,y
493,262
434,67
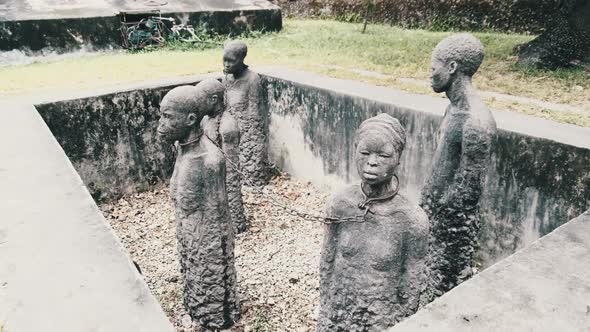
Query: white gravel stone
x,y
278,249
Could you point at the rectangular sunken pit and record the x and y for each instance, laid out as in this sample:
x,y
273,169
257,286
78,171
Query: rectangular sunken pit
x,y
538,179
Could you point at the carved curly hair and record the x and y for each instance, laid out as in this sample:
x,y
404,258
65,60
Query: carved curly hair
x,y
462,48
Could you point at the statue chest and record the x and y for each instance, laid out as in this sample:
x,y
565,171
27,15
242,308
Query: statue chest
x,y
447,157
189,184
236,95
376,244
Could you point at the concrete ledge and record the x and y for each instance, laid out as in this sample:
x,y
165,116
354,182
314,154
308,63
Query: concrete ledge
x,y
544,287
508,121
61,266
32,25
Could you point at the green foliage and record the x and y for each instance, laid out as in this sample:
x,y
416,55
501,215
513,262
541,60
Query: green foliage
x,y
482,15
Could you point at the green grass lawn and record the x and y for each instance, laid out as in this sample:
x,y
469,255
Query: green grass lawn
x,y
315,45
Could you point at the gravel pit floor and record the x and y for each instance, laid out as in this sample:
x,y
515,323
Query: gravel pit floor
x,y
277,260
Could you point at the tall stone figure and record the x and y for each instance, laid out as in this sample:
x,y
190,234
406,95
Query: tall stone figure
x,y
372,270
203,224
243,100
451,194
221,127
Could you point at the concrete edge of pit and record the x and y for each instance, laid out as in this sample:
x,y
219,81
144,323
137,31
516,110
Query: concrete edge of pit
x,y
62,268
543,287
103,31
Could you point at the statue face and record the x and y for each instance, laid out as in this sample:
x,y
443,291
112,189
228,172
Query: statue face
x,y
442,74
174,125
376,159
232,61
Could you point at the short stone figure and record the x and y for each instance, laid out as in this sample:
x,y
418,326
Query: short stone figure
x,y
221,127
203,224
451,194
372,270
243,100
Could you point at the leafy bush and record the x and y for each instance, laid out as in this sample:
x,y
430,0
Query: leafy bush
x,y
503,15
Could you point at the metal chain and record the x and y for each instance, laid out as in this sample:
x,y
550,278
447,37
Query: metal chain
x,y
324,219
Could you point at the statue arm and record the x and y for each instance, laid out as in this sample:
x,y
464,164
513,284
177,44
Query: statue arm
x,y
417,260
475,155
254,96
427,189
329,241
229,129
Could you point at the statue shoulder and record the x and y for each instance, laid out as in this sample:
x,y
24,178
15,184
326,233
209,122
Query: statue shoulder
x,y
348,196
414,214
481,125
252,76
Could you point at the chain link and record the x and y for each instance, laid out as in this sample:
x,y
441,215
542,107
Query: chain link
x,y
324,219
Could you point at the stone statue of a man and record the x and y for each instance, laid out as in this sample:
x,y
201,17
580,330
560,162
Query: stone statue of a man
x,y
451,194
203,224
243,100
221,127
372,270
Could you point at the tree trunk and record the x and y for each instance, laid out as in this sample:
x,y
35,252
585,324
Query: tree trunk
x,y
565,40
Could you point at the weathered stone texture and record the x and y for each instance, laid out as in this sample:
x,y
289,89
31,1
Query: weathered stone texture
x,y
224,130
204,229
372,273
372,269
205,236
245,102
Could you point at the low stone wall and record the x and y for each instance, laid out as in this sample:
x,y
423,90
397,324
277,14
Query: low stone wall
x,y
111,140
61,34
93,33
534,183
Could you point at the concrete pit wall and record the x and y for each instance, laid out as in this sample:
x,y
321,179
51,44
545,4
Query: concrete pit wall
x,y
111,140
534,184
94,33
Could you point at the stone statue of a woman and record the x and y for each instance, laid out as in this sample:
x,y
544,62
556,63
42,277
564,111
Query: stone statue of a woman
x,y
372,270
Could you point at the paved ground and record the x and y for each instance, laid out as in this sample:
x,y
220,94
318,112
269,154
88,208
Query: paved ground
x,y
12,10
544,287
61,266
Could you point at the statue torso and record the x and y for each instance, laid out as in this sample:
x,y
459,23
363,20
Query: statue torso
x,y
365,268
238,92
190,187
475,119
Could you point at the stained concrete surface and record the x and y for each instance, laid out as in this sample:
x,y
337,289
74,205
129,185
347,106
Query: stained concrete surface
x,y
61,266
13,10
63,26
535,183
538,178
544,287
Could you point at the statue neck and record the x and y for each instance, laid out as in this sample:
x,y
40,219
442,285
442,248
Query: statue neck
x,y
460,91
378,190
240,72
192,139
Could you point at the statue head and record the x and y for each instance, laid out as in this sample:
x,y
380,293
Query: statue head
x,y
455,56
379,142
213,91
234,54
181,111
